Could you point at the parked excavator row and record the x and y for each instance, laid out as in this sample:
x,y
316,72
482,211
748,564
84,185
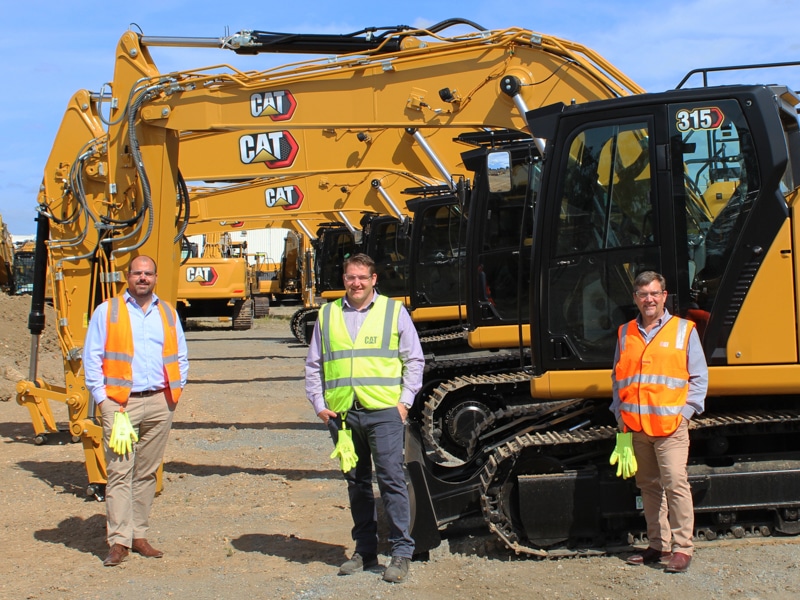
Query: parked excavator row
x,y
229,279
588,77
334,206
558,221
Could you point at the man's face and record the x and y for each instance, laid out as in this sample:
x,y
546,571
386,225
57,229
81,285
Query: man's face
x,y
359,284
141,278
650,299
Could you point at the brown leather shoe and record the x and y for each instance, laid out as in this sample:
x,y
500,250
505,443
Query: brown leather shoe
x,y
679,563
116,555
649,557
143,547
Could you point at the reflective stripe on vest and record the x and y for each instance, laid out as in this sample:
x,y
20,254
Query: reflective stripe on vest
x,y
652,378
169,353
369,367
118,351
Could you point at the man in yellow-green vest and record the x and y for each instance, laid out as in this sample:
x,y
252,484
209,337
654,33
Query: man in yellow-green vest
x,y
363,370
659,383
135,363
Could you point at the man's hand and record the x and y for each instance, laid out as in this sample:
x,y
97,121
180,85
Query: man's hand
x,y
401,408
326,414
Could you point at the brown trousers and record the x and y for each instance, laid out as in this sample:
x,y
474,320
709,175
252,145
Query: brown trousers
x,y
131,484
667,497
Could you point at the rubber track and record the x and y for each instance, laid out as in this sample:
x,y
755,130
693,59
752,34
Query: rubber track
x,y
441,339
298,322
452,386
506,415
500,462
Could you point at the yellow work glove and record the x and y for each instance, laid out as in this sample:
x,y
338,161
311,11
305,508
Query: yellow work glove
x,y
623,456
345,450
122,434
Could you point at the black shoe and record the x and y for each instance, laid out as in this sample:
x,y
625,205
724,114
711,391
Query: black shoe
x,y
397,571
358,562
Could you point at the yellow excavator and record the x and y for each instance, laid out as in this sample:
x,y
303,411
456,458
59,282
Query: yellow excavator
x,y
219,284
116,185
309,204
277,284
699,184
282,281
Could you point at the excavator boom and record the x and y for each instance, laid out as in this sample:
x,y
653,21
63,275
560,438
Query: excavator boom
x,y
118,180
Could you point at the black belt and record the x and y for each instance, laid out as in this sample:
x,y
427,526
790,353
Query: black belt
x,y
358,406
146,393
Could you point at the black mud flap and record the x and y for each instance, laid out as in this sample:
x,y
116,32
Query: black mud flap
x,y
439,495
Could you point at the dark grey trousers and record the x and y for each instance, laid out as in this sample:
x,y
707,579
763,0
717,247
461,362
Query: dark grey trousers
x,y
378,439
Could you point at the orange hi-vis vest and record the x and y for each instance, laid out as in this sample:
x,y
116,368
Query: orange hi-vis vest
x,y
652,378
118,352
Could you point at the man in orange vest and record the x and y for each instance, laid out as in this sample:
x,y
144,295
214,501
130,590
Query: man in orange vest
x,y
135,364
660,379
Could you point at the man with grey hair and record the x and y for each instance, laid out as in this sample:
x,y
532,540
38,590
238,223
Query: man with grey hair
x,y
660,379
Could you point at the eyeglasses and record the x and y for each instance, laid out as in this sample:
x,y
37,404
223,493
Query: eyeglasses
x,y
361,278
140,273
643,295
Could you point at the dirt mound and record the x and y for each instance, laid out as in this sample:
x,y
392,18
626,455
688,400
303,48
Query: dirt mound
x,y
15,345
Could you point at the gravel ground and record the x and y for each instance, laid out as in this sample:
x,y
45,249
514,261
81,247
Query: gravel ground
x,y
253,507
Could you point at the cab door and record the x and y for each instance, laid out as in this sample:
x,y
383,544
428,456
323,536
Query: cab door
x,y
437,252
606,216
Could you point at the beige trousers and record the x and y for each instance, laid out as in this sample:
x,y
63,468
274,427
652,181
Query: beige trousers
x,y
131,484
666,495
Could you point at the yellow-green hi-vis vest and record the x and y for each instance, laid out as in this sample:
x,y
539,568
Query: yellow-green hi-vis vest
x,y
369,367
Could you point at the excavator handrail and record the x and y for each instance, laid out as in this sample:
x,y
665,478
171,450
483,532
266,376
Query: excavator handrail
x,y
706,70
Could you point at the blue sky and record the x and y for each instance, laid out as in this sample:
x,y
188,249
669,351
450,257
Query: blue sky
x,y
49,50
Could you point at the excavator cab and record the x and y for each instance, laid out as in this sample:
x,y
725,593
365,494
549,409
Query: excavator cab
x,y
695,201
23,263
291,270
437,252
334,243
499,234
387,241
